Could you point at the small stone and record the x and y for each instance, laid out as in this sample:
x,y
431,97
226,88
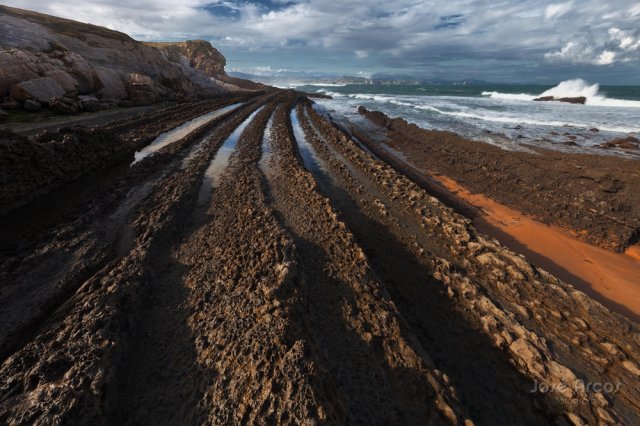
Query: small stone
x,y
631,367
575,419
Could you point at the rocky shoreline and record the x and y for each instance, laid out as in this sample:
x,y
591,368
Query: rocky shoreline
x,y
589,195
344,280
266,266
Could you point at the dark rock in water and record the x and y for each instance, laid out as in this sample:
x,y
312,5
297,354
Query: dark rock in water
x,y
33,106
594,130
319,96
569,143
3,115
575,100
623,143
64,105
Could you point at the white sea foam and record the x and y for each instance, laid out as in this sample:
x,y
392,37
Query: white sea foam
x,y
510,96
377,98
523,120
573,89
329,93
326,84
570,89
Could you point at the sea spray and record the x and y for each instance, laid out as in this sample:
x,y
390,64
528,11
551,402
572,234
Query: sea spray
x,y
570,89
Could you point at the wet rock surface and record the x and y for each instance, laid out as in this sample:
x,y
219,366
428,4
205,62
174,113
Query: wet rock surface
x,y
299,295
629,142
592,196
32,167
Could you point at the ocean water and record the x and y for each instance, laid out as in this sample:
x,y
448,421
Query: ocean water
x,y
504,115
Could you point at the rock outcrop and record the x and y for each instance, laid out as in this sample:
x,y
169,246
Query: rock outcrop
x,y
628,142
196,54
38,89
571,100
44,57
199,58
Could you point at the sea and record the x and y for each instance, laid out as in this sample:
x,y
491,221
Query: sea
x,y
504,115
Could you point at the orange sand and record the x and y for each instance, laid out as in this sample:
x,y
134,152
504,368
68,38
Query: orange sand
x,y
611,278
634,252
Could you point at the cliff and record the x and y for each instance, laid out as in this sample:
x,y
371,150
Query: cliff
x,y
70,66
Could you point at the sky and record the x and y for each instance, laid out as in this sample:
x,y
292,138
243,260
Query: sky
x,y
503,41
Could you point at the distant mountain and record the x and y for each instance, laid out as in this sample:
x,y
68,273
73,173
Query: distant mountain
x,y
294,78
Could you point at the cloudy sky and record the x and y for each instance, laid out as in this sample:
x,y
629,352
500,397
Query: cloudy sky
x,y
524,41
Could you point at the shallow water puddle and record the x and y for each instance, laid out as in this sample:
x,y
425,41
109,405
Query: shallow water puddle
x,y
310,158
213,174
181,131
265,160
384,203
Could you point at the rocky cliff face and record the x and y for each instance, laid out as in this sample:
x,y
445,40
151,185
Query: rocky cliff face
x,y
196,54
69,66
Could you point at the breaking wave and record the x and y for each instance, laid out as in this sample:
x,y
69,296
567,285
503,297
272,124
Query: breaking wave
x,y
522,120
510,96
570,89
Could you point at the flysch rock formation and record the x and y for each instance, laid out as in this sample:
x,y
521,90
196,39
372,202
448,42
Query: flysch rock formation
x,y
71,67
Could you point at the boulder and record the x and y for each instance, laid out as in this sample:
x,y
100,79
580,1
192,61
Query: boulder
x,y
82,72
68,83
64,105
544,99
89,103
110,84
33,106
39,89
15,66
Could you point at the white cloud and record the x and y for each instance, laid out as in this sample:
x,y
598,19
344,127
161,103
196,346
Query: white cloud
x,y
625,40
606,58
557,10
615,45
